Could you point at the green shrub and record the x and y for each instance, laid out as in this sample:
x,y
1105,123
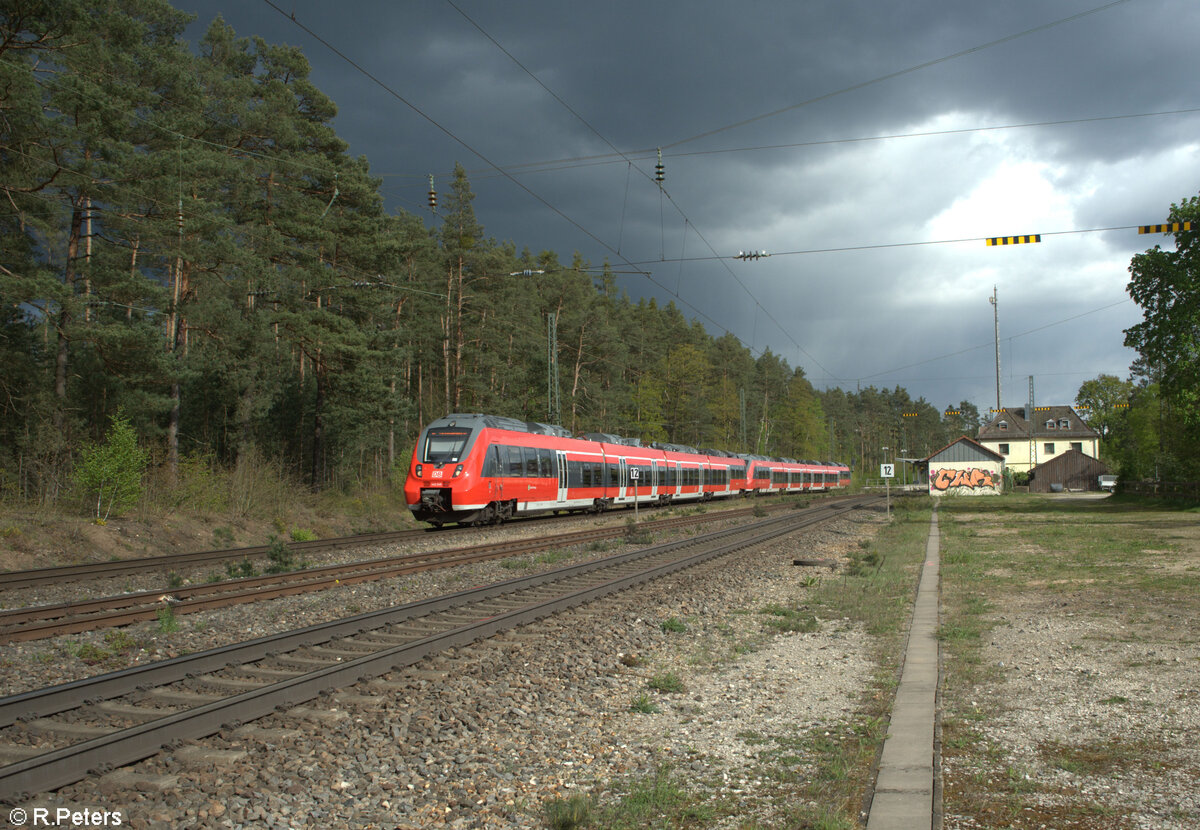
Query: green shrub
x,y
112,471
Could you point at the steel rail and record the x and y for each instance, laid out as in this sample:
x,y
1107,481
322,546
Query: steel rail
x,y
62,766
39,622
14,580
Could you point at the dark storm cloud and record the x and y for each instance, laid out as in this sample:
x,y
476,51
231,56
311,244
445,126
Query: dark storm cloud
x,y
674,74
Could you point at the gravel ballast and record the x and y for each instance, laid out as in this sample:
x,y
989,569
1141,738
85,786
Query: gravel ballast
x,y
482,736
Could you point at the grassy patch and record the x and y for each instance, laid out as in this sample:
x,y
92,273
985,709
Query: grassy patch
x,y
1110,573
673,625
662,800
667,683
567,813
789,619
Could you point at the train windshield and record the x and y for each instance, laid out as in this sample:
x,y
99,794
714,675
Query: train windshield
x,y
445,445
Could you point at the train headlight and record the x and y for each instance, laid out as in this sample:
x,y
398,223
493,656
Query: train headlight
x,y
419,471
458,471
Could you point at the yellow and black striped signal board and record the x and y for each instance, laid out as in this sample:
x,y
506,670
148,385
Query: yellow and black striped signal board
x,y
1170,227
1014,240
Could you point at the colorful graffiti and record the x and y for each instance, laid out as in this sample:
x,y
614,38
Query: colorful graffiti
x,y
972,479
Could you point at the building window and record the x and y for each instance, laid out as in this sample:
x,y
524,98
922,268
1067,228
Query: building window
x,y
1050,425
1063,423
1048,448
1077,445
1004,449
1003,425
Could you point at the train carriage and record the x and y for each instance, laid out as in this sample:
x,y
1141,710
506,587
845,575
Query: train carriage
x,y
479,469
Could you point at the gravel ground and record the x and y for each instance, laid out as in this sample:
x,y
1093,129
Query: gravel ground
x,y
1096,713
482,736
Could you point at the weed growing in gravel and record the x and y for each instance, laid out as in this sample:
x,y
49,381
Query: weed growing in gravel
x,y
167,621
567,813
642,704
551,557
635,534
282,558
116,643
238,570
673,625
662,801
666,682
789,619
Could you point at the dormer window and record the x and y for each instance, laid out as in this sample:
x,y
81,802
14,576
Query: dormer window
x,y
1003,425
1050,424
1064,423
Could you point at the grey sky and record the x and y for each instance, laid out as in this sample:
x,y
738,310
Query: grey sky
x,y
852,292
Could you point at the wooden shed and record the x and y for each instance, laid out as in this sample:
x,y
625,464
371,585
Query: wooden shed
x,y
965,467
1071,471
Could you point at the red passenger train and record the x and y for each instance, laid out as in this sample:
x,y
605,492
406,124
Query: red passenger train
x,y
480,469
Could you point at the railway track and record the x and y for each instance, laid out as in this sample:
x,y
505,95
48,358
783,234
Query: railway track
x,y
179,562
39,622
55,736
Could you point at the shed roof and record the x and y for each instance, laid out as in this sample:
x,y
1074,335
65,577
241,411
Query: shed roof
x,y
964,449
1072,469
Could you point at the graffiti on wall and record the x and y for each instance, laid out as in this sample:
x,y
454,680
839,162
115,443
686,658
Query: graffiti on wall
x,y
972,479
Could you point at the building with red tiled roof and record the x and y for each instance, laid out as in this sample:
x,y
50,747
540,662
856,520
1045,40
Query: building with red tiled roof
x,y
1027,442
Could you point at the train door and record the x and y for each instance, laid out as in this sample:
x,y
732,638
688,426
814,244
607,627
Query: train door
x,y
562,475
622,478
653,478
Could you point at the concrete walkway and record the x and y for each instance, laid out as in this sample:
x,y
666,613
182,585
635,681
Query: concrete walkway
x,y
904,790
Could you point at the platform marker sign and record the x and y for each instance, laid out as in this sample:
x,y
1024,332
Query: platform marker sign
x,y
1172,227
887,470
1014,240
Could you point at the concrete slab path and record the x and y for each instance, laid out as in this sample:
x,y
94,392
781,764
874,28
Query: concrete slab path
x,y
904,788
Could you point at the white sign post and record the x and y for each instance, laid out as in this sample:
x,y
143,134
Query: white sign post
x,y
888,472
634,475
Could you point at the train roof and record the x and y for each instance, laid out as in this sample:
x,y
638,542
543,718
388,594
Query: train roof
x,y
609,438
501,422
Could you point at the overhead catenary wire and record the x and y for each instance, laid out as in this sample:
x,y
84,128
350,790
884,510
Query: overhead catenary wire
x,y
480,155
898,73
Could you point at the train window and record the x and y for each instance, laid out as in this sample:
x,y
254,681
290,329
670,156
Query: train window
x,y
445,445
516,464
546,463
531,461
614,475
491,462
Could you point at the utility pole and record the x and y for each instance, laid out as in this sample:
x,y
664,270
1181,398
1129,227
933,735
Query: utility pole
x,y
996,318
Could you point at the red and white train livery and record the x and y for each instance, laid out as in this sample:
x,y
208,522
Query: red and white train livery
x,y
478,469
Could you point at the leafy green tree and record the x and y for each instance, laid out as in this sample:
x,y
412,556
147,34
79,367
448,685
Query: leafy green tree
x,y
1102,402
112,471
1166,284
